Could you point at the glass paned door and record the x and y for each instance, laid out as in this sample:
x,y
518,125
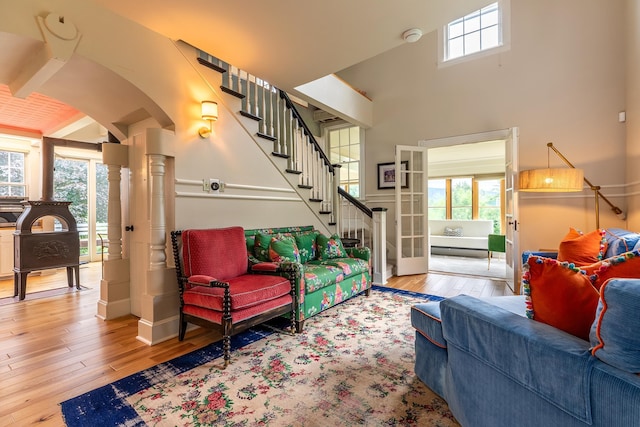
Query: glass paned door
x,y
101,203
83,182
71,184
411,210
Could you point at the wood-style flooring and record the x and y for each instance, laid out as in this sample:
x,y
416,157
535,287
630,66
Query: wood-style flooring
x,y
54,348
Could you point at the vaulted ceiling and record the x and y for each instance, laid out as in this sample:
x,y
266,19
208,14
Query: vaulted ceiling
x,y
287,42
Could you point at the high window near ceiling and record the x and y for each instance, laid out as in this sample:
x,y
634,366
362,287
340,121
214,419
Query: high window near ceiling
x,y
481,30
345,149
467,198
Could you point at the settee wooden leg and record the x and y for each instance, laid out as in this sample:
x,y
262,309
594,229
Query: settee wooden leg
x,y
367,292
226,346
299,326
182,328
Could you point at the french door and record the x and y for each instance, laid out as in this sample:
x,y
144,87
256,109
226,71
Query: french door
x,y
412,255
83,182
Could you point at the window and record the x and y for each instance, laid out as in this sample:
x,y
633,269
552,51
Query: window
x,y
489,202
344,149
437,198
12,176
478,31
461,199
467,198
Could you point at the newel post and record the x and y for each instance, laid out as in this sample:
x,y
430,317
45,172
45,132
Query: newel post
x,y
336,207
379,245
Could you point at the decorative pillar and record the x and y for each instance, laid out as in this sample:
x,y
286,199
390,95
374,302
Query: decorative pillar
x,y
158,256
114,287
379,246
159,301
114,213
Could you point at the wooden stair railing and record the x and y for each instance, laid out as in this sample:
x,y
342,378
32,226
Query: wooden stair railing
x,y
280,123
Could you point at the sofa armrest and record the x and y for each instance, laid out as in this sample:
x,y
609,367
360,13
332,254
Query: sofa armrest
x,y
545,254
363,253
551,363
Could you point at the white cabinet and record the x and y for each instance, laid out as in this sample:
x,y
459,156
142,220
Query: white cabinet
x,y
6,251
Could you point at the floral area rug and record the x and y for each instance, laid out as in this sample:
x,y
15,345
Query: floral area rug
x,y
352,365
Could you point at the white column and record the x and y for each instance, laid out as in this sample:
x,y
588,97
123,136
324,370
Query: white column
x,y
114,213
379,246
158,256
114,287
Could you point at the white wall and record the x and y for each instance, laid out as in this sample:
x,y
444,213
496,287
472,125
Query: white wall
x,y
563,80
633,112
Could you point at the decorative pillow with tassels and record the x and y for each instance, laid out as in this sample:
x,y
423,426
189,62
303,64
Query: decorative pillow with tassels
x,y
559,294
582,249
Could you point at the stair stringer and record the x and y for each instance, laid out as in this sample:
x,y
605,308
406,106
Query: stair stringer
x,y
250,126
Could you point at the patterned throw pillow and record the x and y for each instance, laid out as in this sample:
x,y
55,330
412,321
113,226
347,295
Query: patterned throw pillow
x,y
453,231
283,248
582,249
307,245
330,247
559,294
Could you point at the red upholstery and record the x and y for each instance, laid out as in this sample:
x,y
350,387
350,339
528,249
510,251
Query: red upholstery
x,y
237,315
221,253
246,291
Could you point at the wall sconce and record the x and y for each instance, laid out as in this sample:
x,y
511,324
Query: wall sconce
x,y
563,180
209,113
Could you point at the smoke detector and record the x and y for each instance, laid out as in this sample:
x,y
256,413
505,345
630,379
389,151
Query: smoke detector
x,y
412,35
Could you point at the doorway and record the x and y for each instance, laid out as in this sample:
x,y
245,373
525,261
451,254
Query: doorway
x,y
82,180
469,174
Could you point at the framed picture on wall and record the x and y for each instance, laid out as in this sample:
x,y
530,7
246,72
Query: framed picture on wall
x,y
387,174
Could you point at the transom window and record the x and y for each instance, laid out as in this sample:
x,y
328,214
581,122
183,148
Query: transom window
x,y
480,30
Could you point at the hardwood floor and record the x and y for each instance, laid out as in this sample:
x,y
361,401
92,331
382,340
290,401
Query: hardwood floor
x,y
54,348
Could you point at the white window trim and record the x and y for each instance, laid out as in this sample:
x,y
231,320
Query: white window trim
x,y
504,7
327,129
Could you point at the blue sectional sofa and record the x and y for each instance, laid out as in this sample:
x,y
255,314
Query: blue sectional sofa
x,y
497,368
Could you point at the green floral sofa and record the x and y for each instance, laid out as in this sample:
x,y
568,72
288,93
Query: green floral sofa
x,y
323,272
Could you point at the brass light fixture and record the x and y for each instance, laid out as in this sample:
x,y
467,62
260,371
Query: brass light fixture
x,y
209,113
562,180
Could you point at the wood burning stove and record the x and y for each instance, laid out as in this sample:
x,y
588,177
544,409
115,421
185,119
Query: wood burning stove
x,y
44,250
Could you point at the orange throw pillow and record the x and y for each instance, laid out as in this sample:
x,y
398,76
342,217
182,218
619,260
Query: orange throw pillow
x,y
559,295
582,249
623,266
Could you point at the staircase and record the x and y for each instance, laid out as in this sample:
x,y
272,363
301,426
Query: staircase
x,y
284,136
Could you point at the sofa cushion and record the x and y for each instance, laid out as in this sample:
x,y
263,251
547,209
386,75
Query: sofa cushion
x,y
307,245
238,315
625,265
349,266
246,291
559,294
330,247
283,249
318,276
614,334
425,317
582,249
